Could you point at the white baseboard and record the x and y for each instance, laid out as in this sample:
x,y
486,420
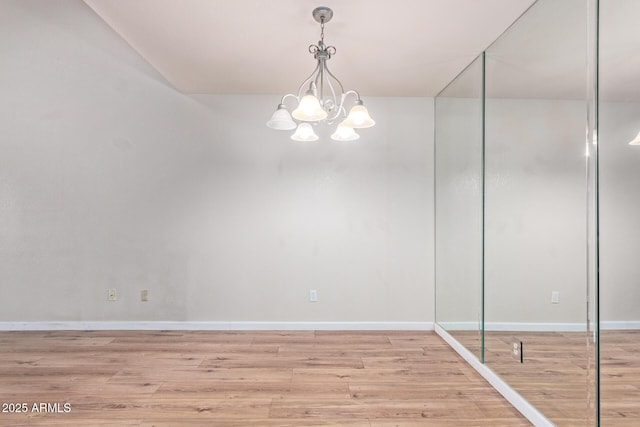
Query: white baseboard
x,y
514,327
293,326
213,326
535,327
538,327
519,402
460,326
619,325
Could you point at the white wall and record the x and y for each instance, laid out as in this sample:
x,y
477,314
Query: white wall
x,y
535,238
535,212
535,207
459,211
619,212
535,217
109,178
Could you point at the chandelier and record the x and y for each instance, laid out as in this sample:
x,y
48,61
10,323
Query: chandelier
x,y
321,98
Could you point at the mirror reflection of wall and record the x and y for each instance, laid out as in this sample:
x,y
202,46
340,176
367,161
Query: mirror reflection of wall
x,y
535,242
619,124
534,263
459,207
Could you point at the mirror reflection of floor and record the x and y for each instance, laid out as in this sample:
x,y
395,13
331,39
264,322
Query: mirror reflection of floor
x,y
553,375
472,341
620,378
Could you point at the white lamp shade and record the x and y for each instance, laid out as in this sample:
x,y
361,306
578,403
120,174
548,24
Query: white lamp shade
x,y
636,141
309,109
281,119
359,117
304,133
344,133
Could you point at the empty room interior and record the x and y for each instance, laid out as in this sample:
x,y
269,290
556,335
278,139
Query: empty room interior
x,y
356,213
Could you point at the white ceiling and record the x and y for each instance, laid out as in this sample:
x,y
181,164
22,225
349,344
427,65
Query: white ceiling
x,y
384,48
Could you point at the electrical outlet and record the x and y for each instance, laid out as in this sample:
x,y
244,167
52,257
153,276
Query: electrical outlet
x,y
144,295
111,294
313,295
555,297
517,351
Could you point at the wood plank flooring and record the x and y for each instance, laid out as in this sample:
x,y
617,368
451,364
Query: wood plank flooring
x,y
554,375
241,378
620,378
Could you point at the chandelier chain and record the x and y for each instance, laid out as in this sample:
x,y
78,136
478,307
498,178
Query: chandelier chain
x,y
321,50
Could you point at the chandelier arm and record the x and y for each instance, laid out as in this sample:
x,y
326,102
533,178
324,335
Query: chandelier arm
x,y
310,78
319,81
343,95
322,68
333,91
335,100
337,79
286,96
355,92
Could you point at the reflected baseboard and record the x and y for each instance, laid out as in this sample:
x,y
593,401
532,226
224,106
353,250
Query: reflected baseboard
x,y
611,325
460,326
213,326
538,327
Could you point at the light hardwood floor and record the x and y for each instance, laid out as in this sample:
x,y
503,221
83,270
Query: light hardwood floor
x,y
620,378
233,378
554,376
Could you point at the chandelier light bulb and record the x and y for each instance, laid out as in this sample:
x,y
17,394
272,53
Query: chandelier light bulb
x,y
281,119
359,117
304,133
309,109
636,140
344,133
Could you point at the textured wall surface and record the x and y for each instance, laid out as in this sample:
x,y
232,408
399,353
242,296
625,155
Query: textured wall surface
x,y
109,178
